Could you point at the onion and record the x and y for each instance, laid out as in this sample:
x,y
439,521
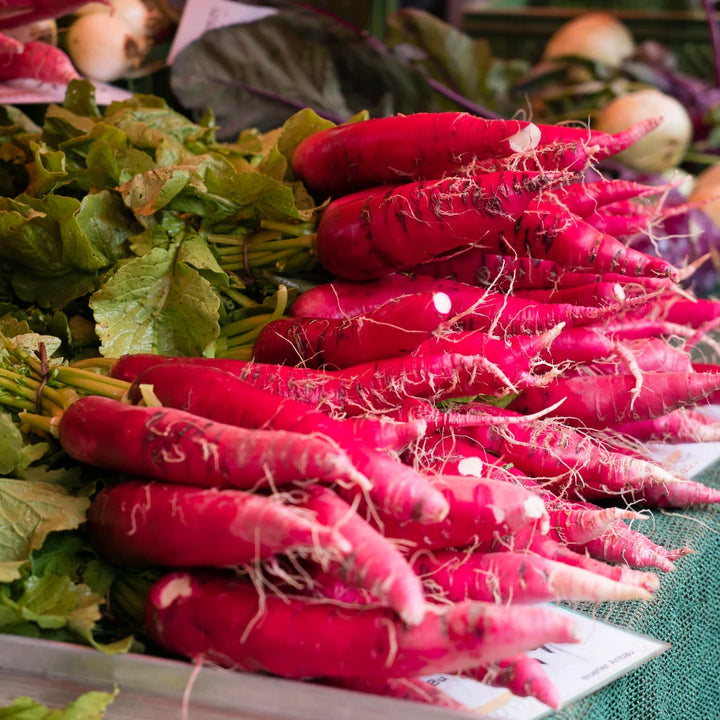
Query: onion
x,y
594,36
661,149
707,191
103,48
138,17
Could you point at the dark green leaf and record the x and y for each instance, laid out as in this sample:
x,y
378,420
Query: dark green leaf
x,y
258,74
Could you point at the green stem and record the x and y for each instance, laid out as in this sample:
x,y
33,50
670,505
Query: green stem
x,y
289,228
40,423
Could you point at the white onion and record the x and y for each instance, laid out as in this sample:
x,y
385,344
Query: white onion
x,y
594,36
134,13
662,148
102,47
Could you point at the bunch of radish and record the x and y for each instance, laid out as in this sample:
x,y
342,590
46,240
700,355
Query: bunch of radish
x,y
428,446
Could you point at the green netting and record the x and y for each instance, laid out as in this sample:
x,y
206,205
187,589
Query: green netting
x,y
682,683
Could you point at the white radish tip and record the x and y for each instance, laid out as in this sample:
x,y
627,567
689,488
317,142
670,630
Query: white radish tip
x,y
442,302
525,139
178,587
471,467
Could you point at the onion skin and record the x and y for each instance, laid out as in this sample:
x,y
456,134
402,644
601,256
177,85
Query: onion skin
x,y
663,148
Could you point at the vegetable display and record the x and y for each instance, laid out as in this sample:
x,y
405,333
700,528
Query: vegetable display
x,y
404,459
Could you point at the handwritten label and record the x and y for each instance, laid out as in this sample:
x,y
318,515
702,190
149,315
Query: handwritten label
x,y
604,653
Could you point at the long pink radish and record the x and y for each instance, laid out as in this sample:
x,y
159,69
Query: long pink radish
x,y
523,675
481,509
685,425
141,524
222,620
373,564
571,522
195,388
547,547
622,544
567,239
38,60
181,447
515,577
601,400
373,388
474,308
577,467
395,328
506,273
376,232
401,148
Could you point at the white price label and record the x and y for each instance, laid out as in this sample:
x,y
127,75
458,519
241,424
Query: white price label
x,y
604,653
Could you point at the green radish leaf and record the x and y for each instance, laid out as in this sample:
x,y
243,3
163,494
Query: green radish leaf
x,y
31,511
91,705
157,304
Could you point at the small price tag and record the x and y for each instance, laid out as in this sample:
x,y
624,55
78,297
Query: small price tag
x,y
605,653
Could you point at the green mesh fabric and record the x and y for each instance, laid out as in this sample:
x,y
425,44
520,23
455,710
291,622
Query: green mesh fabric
x,y
682,683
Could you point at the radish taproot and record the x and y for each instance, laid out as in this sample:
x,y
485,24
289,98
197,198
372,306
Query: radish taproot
x,y
424,146
514,577
374,387
181,447
395,328
223,620
373,564
141,524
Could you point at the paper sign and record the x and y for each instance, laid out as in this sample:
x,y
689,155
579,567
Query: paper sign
x,y
690,459
604,653
199,16
27,91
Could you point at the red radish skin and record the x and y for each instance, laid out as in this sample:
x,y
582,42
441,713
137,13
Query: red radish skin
x,y
395,328
37,60
480,509
679,310
506,273
223,621
400,148
607,400
577,467
622,544
181,447
195,388
500,212
545,546
374,388
143,524
514,577
24,13
570,522
373,564
523,675
544,233
396,488
474,308
376,232
598,293
679,426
